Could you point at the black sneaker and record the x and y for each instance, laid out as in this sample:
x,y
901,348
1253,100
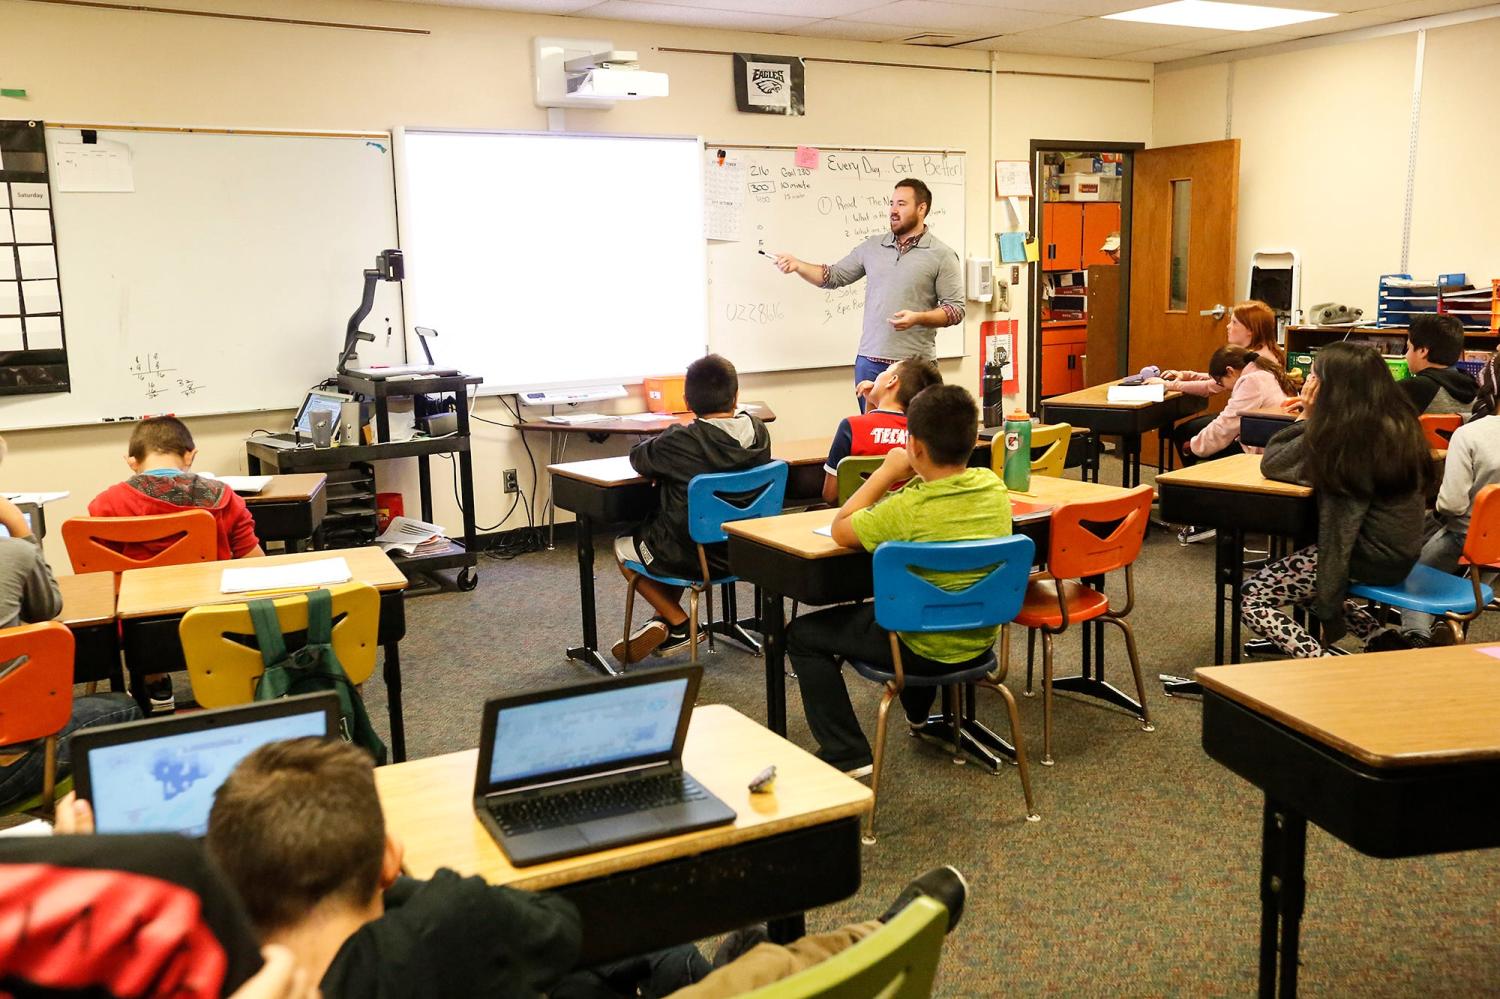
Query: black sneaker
x,y
643,641
679,638
1441,634
1388,640
1192,533
163,699
942,884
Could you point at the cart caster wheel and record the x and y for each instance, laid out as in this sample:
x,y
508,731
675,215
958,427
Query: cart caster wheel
x,y
467,580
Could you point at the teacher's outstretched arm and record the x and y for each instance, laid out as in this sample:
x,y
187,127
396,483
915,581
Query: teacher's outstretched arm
x,y
846,271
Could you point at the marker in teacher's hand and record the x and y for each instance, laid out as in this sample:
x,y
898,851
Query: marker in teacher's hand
x,y
765,254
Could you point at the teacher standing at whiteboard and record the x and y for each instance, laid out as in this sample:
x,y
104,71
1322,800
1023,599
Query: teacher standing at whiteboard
x,y
915,286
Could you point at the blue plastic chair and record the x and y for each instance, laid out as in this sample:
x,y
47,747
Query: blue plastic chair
x,y
907,602
1456,599
715,499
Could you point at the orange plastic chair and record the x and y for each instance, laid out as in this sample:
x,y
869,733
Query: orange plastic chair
x,y
1439,428
190,536
1087,539
36,693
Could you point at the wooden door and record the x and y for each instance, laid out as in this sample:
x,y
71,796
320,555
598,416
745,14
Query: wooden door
x,y
1182,250
1100,218
1062,234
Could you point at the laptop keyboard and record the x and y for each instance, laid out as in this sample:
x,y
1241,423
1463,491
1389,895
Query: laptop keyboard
x,y
600,801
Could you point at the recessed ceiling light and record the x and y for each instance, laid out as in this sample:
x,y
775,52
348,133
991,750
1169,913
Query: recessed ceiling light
x,y
1220,16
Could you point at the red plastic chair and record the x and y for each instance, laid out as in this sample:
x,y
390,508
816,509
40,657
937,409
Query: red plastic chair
x,y
36,693
1087,539
186,536
1439,427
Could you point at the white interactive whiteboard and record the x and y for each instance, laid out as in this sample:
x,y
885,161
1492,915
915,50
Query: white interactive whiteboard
x,y
554,259
764,320
222,283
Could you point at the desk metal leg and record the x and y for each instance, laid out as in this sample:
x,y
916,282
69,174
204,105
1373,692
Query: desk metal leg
x,y
555,452
392,673
588,652
773,634
733,627
1283,890
1130,455
1229,582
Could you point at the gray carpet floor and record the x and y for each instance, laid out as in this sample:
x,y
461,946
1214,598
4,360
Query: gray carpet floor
x,y
1142,877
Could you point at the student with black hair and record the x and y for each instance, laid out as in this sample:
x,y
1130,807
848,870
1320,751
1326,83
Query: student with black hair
x,y
719,439
1364,455
1254,381
1434,343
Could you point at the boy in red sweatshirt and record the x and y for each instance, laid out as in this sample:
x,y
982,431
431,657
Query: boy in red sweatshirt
x,y
162,481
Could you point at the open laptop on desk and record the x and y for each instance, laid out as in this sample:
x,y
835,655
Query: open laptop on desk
x,y
595,765
161,775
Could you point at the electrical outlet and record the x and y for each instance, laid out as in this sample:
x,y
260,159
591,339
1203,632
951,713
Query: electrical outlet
x,y
508,477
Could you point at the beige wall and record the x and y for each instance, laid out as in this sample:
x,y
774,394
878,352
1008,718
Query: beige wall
x,y
474,70
1323,155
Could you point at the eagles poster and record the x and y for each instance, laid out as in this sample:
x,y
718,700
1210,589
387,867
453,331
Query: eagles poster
x,y
769,84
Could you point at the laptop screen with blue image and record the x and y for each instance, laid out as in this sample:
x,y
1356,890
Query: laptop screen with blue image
x,y
587,731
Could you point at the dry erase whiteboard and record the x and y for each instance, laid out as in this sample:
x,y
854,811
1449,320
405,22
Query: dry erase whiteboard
x,y
768,321
223,281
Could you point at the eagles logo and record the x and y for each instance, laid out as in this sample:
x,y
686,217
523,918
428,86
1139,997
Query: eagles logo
x,y
768,81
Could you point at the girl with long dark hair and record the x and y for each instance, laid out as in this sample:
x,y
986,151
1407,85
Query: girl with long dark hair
x,y
1357,442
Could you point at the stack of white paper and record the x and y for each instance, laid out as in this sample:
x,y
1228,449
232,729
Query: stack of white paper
x,y
287,576
409,536
1137,393
241,483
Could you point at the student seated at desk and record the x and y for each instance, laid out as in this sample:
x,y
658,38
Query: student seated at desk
x,y
162,480
947,501
1473,462
1362,451
1251,325
1434,343
882,425
29,594
1254,381
720,439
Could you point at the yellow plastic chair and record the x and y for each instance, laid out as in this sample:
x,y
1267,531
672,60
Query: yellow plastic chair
x,y
1052,436
853,470
897,961
223,662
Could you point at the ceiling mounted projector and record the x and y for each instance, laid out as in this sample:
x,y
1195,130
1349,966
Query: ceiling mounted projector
x,y
590,73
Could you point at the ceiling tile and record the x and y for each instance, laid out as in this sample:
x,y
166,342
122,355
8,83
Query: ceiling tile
x,y
1165,53
1027,45
860,31
1383,14
1074,8
939,15
662,13
523,6
797,8
1139,36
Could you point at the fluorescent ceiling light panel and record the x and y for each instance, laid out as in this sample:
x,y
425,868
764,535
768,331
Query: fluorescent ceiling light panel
x,y
1218,16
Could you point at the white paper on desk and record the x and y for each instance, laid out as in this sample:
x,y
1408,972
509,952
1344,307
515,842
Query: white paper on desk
x,y
96,166
242,483
827,532
40,499
292,576
572,418
36,827
37,262
33,225
1137,393
642,417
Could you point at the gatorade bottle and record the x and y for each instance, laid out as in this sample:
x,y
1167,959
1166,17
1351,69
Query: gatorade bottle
x,y
1018,452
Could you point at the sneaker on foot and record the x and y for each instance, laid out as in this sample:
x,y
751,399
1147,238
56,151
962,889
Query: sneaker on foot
x,y
642,642
941,884
679,638
1441,634
163,699
1191,533
1388,640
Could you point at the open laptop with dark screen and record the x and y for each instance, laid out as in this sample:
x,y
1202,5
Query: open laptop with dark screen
x,y
594,765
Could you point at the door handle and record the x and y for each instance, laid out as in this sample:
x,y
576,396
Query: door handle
x,y
1218,312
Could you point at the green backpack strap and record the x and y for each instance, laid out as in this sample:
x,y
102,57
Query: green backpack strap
x,y
274,681
320,617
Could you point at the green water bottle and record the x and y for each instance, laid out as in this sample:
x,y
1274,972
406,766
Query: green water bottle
x,y
1018,452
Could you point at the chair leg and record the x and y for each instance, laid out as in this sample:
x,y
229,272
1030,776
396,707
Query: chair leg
x,y
629,610
1047,699
708,591
1135,666
693,627
1459,637
49,777
955,713
885,707
1015,738
1030,655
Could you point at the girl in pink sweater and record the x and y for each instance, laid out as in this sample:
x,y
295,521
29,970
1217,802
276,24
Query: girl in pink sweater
x,y
1253,382
1251,325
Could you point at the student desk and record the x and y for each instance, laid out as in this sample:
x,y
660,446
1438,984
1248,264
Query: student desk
x,y
786,558
153,601
788,851
89,612
290,509
628,424
1393,767
1091,408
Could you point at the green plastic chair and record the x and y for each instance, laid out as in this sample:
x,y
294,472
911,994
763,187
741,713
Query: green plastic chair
x,y
898,961
853,471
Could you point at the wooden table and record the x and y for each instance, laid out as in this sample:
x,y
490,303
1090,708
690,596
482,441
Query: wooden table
x,y
624,425
788,851
153,601
1396,753
1091,408
290,509
785,557
1231,496
89,612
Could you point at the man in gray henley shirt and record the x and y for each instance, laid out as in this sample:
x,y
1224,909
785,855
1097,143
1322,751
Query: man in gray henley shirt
x,y
915,285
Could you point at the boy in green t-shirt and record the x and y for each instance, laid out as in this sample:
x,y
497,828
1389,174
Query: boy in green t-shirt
x,y
947,501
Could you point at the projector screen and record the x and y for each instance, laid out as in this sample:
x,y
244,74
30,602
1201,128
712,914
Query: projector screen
x,y
552,259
